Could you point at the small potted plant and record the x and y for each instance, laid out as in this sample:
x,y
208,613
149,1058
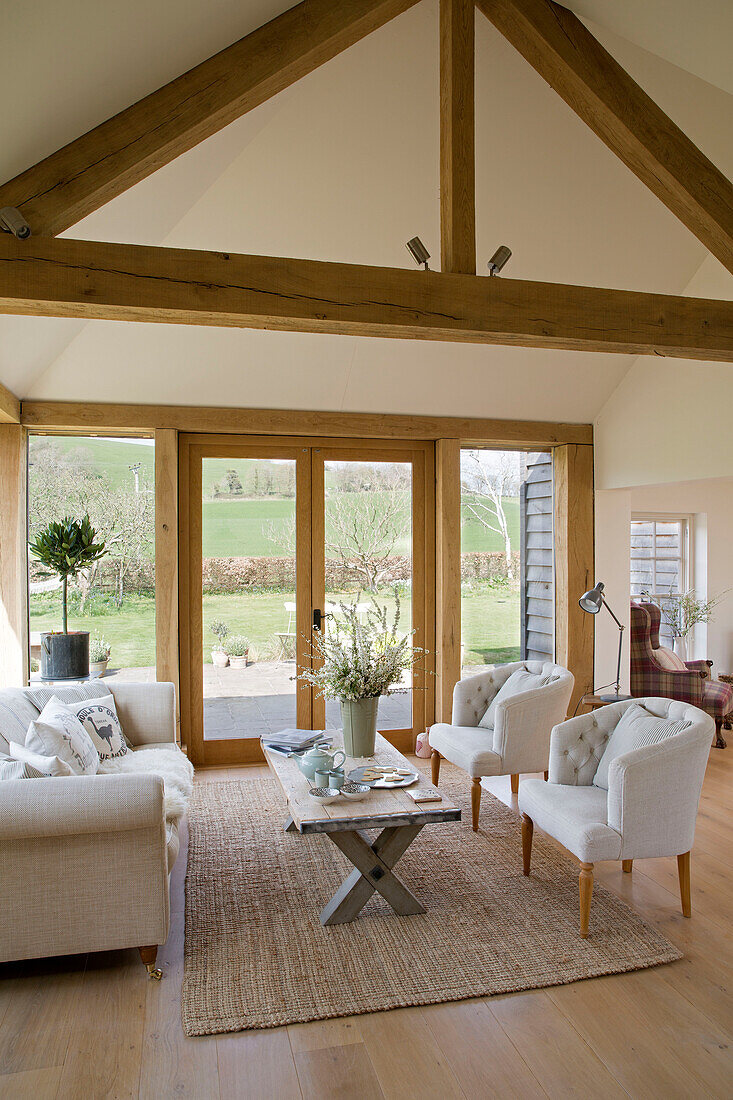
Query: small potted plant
x,y
99,653
682,612
66,548
219,657
237,649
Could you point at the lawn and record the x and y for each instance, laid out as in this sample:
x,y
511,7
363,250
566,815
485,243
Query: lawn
x,y
238,528
490,623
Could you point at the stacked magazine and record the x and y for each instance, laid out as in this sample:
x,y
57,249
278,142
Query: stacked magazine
x,y
291,740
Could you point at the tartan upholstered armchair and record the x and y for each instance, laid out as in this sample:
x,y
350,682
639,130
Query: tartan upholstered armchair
x,y
657,671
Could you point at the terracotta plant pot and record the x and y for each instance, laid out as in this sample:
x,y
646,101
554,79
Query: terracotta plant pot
x,y
238,662
359,720
99,666
219,658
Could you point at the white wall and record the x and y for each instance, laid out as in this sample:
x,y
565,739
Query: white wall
x,y
670,420
710,503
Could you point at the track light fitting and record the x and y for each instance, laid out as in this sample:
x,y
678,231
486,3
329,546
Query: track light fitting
x,y
499,259
12,221
419,252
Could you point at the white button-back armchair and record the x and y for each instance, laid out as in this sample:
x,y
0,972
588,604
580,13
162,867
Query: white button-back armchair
x,y
649,808
520,738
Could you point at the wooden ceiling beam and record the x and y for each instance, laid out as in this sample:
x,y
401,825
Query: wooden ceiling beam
x,y
85,417
9,406
555,42
62,189
56,277
457,152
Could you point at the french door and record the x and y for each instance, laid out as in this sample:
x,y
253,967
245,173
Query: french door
x,y
276,535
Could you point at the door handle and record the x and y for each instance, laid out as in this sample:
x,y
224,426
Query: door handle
x,y
317,618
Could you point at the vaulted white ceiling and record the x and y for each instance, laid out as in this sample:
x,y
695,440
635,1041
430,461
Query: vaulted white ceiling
x,y
344,166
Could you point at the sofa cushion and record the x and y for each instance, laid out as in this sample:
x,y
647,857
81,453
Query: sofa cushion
x,y
17,769
58,732
636,728
99,719
521,680
669,660
470,747
45,765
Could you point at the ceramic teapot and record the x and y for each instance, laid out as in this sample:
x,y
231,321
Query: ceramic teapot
x,y
317,759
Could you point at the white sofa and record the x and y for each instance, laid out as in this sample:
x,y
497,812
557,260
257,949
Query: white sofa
x,y
649,808
520,738
85,860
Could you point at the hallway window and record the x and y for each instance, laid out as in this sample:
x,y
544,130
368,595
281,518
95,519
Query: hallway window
x,y
660,560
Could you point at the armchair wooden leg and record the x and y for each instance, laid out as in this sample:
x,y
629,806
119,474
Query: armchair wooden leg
x,y
148,956
683,869
475,801
435,759
527,831
586,893
515,784
626,865
547,776
720,741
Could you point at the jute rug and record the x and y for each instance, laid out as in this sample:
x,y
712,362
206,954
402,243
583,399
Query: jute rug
x,y
257,956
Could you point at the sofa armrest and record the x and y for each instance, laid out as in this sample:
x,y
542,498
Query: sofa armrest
x,y
653,793
703,667
83,865
147,711
80,804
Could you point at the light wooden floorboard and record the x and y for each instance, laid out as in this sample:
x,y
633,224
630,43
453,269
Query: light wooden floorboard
x,y
94,1027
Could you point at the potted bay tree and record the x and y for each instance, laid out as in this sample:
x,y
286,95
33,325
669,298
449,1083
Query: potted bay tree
x,y
66,548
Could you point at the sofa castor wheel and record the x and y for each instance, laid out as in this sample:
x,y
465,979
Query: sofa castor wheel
x,y
154,972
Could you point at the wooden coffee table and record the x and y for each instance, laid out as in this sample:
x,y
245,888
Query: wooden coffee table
x,y
345,823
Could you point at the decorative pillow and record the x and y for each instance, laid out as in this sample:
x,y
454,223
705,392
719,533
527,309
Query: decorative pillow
x,y
521,680
668,659
636,728
58,732
44,765
99,719
17,769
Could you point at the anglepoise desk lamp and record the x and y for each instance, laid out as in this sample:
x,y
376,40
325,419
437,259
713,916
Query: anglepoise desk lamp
x,y
592,602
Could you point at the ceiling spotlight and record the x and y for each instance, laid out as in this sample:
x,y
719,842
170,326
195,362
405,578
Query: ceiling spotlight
x,y
12,221
418,251
499,258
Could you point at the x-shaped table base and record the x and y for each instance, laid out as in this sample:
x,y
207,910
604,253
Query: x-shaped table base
x,y
373,863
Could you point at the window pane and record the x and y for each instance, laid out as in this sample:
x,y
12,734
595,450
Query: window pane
x,y
113,481
369,560
507,563
249,629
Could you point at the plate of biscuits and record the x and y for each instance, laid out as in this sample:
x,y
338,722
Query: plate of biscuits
x,y
384,776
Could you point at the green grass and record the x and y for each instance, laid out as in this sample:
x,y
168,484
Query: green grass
x,y
236,528
490,623
112,458
130,630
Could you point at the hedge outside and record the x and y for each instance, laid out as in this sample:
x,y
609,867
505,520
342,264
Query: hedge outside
x,y
223,575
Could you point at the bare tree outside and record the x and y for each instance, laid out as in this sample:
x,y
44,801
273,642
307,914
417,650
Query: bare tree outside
x,y
124,516
487,479
367,517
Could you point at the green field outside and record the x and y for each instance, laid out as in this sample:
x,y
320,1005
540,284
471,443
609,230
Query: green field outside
x,y
237,528
490,617
240,527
